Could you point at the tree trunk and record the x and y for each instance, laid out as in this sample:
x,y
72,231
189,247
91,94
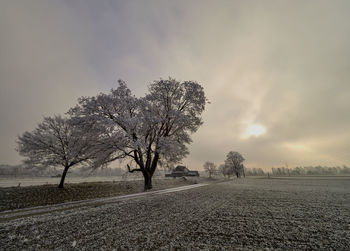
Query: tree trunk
x,y
149,170
63,176
148,180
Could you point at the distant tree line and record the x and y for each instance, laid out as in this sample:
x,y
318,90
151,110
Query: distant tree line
x,y
40,171
299,171
13,170
310,170
255,172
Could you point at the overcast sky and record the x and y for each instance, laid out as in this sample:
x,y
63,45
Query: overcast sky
x,y
283,66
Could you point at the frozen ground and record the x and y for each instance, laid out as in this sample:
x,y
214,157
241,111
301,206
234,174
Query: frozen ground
x,y
246,214
31,196
36,181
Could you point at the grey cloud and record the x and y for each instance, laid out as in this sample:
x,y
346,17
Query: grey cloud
x,y
284,64
42,67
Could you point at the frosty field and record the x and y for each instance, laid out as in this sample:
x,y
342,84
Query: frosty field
x,y
241,214
36,181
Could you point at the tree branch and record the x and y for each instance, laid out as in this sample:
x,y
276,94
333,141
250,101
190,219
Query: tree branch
x,y
133,170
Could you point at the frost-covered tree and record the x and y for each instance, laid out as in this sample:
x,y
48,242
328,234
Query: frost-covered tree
x,y
210,168
58,142
234,164
221,169
225,170
148,129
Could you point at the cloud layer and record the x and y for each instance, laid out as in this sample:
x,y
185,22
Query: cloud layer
x,y
282,64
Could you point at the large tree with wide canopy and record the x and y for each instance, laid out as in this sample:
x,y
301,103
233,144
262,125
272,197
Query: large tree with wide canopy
x,y
144,130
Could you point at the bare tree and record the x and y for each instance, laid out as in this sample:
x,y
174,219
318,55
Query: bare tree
x,y
57,142
210,168
147,129
221,169
226,172
234,164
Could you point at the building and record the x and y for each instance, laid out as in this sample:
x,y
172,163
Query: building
x,y
181,171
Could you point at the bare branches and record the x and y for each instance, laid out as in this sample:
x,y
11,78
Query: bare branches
x,y
210,168
118,125
57,141
133,170
234,164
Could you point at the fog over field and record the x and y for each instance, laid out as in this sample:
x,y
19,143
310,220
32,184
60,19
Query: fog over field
x,y
276,72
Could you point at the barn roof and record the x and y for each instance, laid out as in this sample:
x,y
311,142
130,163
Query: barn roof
x,y
181,168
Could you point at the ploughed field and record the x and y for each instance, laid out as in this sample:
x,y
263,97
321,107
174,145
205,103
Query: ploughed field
x,y
242,214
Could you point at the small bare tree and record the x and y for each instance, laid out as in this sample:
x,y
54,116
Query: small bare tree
x,y
234,164
58,142
224,170
210,168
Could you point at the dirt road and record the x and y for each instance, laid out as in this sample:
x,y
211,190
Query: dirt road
x,y
246,214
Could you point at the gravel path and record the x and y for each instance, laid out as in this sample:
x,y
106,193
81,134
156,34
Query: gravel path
x,y
246,214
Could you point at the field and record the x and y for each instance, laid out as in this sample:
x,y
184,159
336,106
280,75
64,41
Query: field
x,y
241,214
36,181
32,196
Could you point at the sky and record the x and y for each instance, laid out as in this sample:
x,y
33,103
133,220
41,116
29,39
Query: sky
x,y
276,72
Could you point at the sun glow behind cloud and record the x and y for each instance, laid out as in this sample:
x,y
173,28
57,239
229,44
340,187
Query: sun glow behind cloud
x,y
254,130
258,66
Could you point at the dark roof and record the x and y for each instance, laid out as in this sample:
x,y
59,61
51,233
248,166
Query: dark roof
x,y
181,169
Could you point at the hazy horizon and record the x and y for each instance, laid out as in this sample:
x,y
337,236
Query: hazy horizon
x,y
276,72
